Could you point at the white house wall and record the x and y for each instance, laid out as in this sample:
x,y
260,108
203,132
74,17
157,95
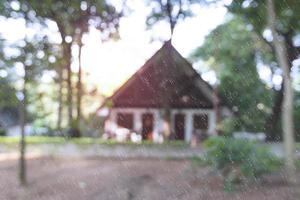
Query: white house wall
x,y
189,113
137,119
158,120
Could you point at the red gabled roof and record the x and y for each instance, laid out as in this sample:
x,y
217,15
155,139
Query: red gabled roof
x,y
165,80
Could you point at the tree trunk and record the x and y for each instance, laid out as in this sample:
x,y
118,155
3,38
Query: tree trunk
x,y
60,98
287,108
79,89
274,117
23,104
67,57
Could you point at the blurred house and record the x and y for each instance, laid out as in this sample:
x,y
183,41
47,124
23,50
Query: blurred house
x,y
9,119
165,98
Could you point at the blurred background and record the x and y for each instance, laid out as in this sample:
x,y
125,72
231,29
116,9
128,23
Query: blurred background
x,y
61,62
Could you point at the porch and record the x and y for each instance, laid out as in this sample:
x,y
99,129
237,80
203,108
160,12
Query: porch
x,y
150,123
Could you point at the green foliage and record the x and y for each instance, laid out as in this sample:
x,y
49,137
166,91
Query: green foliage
x,y
297,116
197,161
2,132
239,159
224,151
39,55
8,98
297,163
228,125
71,15
171,11
254,15
231,50
254,12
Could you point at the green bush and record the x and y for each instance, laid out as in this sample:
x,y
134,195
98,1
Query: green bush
x,y
227,126
2,132
238,159
197,161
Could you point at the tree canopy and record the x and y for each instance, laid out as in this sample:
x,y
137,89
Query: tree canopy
x,y
231,50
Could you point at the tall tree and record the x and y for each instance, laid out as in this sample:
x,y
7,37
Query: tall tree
x,y
171,11
23,113
68,15
108,28
8,98
31,50
60,98
255,16
33,66
79,82
287,107
231,51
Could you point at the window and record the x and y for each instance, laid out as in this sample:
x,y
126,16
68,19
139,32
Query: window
x,y
200,122
125,120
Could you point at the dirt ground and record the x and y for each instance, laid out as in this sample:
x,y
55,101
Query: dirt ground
x,y
86,178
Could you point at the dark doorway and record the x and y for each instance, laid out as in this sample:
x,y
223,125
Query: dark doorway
x,y
125,120
179,126
147,130
200,122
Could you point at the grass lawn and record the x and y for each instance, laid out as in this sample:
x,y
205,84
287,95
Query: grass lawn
x,y
84,141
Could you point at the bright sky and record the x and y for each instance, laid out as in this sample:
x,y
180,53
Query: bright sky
x,y
110,63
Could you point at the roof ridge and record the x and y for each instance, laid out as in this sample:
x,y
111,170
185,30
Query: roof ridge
x,y
170,55
140,70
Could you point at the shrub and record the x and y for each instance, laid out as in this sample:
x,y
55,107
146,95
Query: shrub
x,y
2,132
238,159
197,161
227,126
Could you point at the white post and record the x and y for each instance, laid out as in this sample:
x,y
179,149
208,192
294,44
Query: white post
x,y
137,121
212,123
172,120
156,119
188,126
